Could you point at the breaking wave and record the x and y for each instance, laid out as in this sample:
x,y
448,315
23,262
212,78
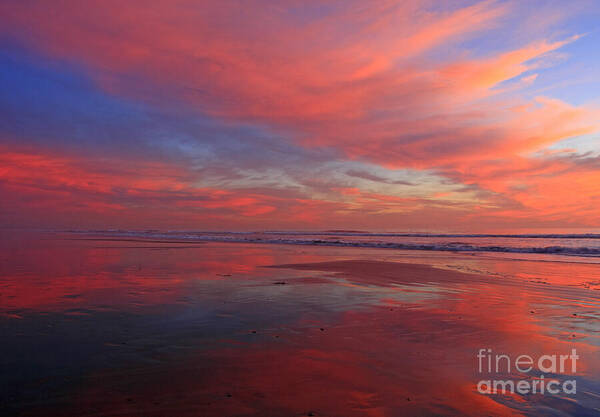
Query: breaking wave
x,y
556,244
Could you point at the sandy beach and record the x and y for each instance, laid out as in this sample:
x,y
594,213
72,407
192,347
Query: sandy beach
x,y
125,328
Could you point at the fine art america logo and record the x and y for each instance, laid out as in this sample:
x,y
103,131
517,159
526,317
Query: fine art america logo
x,y
545,378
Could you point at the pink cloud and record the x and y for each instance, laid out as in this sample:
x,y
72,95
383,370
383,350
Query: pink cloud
x,y
368,82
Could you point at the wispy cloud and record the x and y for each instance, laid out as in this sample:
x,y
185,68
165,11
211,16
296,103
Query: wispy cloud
x,y
265,96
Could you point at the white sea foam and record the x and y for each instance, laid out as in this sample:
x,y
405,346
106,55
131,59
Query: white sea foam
x,y
587,245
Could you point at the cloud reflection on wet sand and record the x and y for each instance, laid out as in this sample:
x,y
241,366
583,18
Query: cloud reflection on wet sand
x,y
208,330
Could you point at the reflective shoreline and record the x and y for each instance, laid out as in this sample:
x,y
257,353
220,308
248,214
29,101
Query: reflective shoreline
x,y
148,328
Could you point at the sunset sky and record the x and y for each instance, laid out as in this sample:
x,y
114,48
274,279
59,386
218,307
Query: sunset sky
x,y
450,116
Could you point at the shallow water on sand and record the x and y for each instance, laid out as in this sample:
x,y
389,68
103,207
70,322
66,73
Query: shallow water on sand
x,y
128,327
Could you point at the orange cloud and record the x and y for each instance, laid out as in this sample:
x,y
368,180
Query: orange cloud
x,y
369,83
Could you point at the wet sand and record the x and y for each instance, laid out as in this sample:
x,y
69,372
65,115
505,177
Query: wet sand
x,y
94,328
